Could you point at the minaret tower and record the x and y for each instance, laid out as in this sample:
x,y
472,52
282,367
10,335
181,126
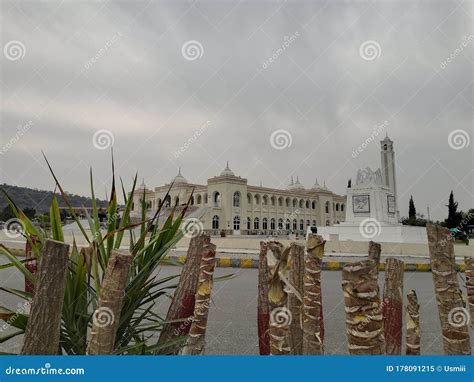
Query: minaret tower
x,y
388,167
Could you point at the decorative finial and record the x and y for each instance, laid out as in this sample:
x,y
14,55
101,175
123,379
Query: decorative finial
x,y
292,179
179,170
227,167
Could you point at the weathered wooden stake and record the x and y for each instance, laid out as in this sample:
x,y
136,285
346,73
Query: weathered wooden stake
x,y
413,324
280,316
452,313
313,328
106,318
375,250
364,320
182,304
393,306
197,333
44,323
263,314
295,297
469,272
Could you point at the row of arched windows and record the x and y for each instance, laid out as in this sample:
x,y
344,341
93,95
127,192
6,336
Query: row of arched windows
x,y
267,224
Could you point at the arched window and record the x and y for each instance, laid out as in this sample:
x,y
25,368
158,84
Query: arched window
x,y
249,223
264,223
158,203
192,200
337,206
257,199
216,199
236,202
272,224
313,205
287,224
301,225
308,223
314,223
199,199
176,201
249,199
280,202
327,222
301,203
272,200
295,225
168,201
295,203
256,223
287,202
205,198
215,222
265,200
280,223
236,223
307,204
327,207
342,207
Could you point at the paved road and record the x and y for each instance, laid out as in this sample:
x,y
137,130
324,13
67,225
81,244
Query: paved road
x,y
233,324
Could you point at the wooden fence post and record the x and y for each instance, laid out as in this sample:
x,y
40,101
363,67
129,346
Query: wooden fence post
x,y
413,324
196,340
469,272
364,319
106,318
313,343
263,314
182,304
44,323
393,306
295,300
452,313
280,316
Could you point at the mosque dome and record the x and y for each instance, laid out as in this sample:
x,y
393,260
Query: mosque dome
x,y
180,179
227,171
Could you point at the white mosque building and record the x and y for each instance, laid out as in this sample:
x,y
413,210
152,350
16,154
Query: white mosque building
x,y
228,203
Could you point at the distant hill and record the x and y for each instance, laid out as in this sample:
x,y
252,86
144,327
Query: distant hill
x,y
40,200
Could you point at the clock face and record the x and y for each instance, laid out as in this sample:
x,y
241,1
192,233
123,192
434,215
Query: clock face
x,y
361,203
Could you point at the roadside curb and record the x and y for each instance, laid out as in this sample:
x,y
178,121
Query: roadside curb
x,y
231,262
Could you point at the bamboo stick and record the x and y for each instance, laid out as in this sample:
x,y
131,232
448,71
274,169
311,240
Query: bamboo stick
x,y
106,318
364,319
263,313
393,306
413,324
280,316
197,333
182,304
469,272
295,298
44,323
313,328
452,313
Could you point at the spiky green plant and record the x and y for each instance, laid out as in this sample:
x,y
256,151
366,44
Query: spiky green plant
x,y
87,265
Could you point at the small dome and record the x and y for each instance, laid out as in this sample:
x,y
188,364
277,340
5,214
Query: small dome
x,y
296,186
180,179
142,186
227,171
316,185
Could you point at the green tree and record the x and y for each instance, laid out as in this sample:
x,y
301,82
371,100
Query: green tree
x,y
454,217
411,210
29,212
6,214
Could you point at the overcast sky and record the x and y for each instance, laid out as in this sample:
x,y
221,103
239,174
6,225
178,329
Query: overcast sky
x,y
194,84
